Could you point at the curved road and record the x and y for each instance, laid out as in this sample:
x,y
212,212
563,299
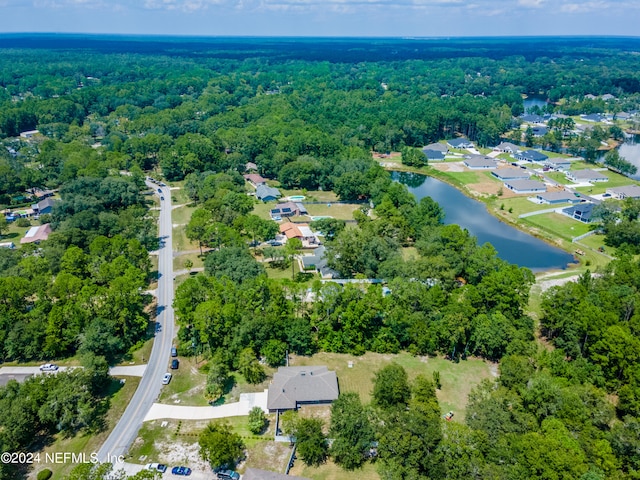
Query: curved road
x,y
126,430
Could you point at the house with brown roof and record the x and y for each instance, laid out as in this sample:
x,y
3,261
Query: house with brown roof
x,y
37,234
292,387
301,231
255,179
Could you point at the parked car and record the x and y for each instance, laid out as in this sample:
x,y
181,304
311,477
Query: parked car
x,y
159,190
606,195
228,475
448,416
161,198
48,367
175,364
160,467
274,243
174,352
186,471
166,378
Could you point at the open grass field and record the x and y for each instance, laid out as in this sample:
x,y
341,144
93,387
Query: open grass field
x,y
181,242
310,195
120,395
343,211
558,224
182,215
178,262
615,180
187,384
331,471
458,379
558,177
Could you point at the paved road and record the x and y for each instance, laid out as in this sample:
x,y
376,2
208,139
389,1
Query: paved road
x,y
127,428
122,371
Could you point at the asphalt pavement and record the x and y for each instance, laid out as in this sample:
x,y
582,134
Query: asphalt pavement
x,y
126,430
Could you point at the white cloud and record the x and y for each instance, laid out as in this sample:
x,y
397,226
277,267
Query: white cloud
x,y
531,3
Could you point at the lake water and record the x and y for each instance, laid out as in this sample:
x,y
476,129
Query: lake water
x,y
534,100
630,150
511,244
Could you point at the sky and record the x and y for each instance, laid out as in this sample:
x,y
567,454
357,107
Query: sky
x,y
359,18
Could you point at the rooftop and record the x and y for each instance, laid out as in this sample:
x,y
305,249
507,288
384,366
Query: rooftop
x,y
294,385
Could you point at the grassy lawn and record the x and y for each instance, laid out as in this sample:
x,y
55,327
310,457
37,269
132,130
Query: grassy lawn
x,y
186,386
179,196
519,205
343,211
560,225
458,379
182,215
331,471
178,262
281,273
180,241
263,209
120,395
558,177
311,196
615,180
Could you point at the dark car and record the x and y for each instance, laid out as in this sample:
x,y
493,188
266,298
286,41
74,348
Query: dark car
x,y
186,471
175,364
161,198
274,243
159,190
228,475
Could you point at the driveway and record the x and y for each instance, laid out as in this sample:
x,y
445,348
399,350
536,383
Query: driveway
x,y
22,373
182,412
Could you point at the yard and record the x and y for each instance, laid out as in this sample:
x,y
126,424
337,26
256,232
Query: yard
x,y
458,379
558,224
187,384
182,215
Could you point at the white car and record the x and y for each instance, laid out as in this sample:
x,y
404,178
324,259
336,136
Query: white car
x,y
48,367
166,378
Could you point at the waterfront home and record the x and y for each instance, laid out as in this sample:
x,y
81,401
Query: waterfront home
x,y
578,176
626,191
504,174
525,186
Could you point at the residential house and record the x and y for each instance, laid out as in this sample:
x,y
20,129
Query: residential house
x,y
530,156
504,174
593,117
480,162
250,167
525,186
557,197
607,96
558,163
292,387
590,96
581,212
40,194
539,131
461,142
318,263
626,191
37,234
578,176
433,155
267,194
537,119
255,179
9,245
506,147
44,206
301,231
288,209
438,147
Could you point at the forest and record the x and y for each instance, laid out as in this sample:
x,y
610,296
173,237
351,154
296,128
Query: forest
x,y
567,402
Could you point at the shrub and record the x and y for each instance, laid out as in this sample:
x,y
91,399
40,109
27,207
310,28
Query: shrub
x,y
23,222
44,474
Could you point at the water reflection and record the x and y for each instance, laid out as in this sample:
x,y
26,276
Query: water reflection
x,y
511,244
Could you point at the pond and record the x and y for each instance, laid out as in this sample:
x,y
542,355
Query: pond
x,y
630,150
534,101
511,244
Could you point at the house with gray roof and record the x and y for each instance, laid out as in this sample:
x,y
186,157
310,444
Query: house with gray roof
x,y
461,142
506,147
438,147
558,163
525,186
433,155
504,174
587,175
318,262
292,387
480,162
530,156
44,206
581,212
626,191
288,209
593,117
266,193
539,131
557,197
532,118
